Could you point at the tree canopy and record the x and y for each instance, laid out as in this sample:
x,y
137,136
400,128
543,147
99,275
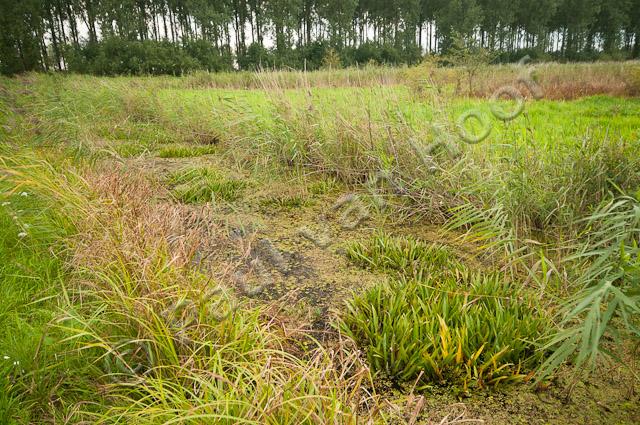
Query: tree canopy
x,y
174,36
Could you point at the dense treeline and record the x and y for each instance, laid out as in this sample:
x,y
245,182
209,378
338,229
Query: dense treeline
x,y
174,36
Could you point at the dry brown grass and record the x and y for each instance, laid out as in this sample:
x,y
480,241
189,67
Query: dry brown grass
x,y
556,81
131,220
162,325
553,81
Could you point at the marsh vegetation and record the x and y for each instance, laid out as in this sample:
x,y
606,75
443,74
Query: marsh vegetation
x,y
288,247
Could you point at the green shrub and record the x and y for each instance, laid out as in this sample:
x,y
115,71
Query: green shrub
x,y
380,53
331,59
257,57
114,56
208,56
474,329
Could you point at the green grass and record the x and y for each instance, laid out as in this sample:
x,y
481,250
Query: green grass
x,y
127,149
405,256
28,276
324,186
286,201
471,330
37,364
438,322
185,151
205,184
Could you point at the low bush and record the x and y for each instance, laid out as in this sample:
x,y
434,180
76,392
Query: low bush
x,y
117,56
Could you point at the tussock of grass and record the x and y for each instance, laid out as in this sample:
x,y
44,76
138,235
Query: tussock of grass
x,y
473,329
404,256
324,186
185,151
198,185
130,149
156,338
285,201
140,106
438,322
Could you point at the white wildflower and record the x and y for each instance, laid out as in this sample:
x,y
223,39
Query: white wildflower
x,y
24,194
22,235
5,357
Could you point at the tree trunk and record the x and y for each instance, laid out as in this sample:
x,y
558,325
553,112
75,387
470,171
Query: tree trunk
x,y
91,21
307,21
54,38
72,24
164,23
43,49
172,23
61,23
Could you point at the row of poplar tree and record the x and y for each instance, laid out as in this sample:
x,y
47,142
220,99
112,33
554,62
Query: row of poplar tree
x,y
174,36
